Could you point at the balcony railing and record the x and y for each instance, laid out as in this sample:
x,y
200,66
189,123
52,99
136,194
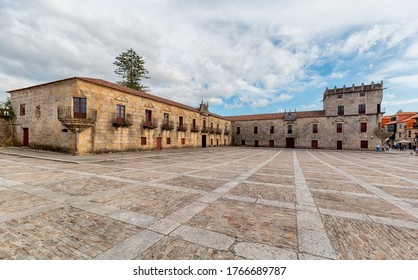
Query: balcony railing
x,y
167,125
120,121
218,131
150,124
77,120
194,129
212,130
5,113
227,132
182,127
205,129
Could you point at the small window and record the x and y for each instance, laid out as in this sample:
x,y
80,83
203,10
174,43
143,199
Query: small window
x,y
148,115
363,127
204,125
143,140
340,110
194,123
217,142
242,142
255,130
166,118
362,93
272,129
339,127
315,128
339,96
211,142
256,143
168,141
181,121
289,129
314,144
238,130
183,141
224,142
364,144
362,109
22,109
120,112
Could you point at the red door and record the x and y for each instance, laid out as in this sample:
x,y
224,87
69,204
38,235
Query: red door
x,y
290,142
26,137
159,140
339,145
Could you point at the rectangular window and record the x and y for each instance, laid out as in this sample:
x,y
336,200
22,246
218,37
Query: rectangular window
x,y
194,123
143,140
362,93
211,125
181,121
166,119
362,109
255,129
242,142
272,129
363,127
289,129
148,115
256,143
238,130
339,127
378,108
211,142
314,144
364,144
168,141
340,110
183,141
120,112
80,107
339,96
22,109
204,125
315,128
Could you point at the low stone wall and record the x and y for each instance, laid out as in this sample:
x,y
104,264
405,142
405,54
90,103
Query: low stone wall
x,y
5,132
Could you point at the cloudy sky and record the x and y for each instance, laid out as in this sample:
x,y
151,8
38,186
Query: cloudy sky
x,y
242,56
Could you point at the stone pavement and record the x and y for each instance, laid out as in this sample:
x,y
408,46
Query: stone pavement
x,y
217,203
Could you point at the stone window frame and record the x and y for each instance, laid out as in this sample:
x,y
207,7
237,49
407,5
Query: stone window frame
x,y
271,129
340,110
238,130
364,144
314,144
23,109
255,129
362,109
363,127
183,141
168,141
339,127
314,128
143,140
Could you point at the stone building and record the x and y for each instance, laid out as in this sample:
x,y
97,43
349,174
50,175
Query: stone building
x,y
404,126
85,115
347,121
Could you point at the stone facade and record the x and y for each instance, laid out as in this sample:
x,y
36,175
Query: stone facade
x,y
85,115
347,121
5,128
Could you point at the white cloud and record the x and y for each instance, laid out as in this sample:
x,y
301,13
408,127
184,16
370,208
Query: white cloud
x,y
401,102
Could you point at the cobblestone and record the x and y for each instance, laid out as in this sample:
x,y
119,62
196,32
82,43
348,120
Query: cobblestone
x,y
226,203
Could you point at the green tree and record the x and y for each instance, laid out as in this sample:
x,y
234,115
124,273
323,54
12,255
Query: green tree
x,y
132,70
7,105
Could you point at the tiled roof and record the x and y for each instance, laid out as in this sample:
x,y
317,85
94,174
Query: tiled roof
x,y
118,87
274,116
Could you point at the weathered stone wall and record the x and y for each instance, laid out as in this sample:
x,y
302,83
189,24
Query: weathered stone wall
x,y
5,132
302,132
47,132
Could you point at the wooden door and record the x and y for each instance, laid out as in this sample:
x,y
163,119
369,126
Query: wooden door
x,y
26,137
339,145
80,107
203,141
271,143
290,142
159,140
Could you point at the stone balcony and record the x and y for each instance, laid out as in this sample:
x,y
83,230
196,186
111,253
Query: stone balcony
x,y
182,127
195,129
150,124
76,121
167,125
119,121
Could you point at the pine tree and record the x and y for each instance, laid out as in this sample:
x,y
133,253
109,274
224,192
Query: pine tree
x,y
132,70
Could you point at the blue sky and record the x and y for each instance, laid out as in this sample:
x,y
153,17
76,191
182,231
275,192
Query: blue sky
x,y
243,57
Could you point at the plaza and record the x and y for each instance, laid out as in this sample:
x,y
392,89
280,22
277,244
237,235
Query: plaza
x,y
215,203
